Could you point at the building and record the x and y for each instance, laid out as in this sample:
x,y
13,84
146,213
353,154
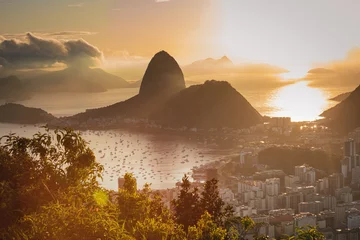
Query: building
x,y
290,180
250,185
322,185
306,174
336,180
304,219
290,200
271,202
328,217
272,186
311,207
341,211
355,175
258,203
329,202
227,195
353,218
350,148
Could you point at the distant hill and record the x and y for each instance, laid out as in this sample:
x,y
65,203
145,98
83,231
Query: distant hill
x,y
16,113
13,89
341,97
214,104
345,116
209,65
162,79
79,79
211,62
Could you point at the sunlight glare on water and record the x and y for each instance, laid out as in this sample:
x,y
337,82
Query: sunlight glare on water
x,y
298,101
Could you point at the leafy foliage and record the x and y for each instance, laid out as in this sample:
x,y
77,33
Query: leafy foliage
x,y
186,206
206,229
211,202
33,172
143,213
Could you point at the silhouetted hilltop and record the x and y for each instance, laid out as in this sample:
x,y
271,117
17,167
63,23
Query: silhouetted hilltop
x,y
12,89
214,104
162,76
76,79
162,79
340,97
345,116
16,113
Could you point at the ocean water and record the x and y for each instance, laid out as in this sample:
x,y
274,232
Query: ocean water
x,y
161,160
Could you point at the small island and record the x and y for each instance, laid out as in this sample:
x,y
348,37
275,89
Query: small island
x,y
17,113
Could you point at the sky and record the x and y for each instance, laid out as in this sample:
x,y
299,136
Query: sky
x,y
296,35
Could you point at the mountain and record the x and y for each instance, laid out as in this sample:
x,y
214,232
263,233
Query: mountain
x,y
340,97
345,116
209,65
162,76
16,113
162,79
79,79
13,89
211,62
214,104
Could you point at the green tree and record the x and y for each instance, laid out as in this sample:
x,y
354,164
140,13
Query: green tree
x,y
239,226
186,206
211,202
307,233
78,214
206,229
35,171
144,215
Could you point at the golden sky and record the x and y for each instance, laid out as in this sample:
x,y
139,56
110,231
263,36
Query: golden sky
x,y
293,34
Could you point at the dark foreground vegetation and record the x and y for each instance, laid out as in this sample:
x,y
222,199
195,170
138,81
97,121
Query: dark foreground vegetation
x,y
49,190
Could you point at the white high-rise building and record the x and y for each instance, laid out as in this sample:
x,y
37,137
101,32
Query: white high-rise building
x,y
272,186
306,173
271,202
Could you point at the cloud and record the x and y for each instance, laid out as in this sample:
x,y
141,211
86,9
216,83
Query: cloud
x,y
76,5
69,33
57,35
342,73
38,52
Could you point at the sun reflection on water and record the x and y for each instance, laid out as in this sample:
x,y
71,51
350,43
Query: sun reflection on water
x,y
298,101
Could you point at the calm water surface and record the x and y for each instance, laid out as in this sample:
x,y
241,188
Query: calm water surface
x,y
159,160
